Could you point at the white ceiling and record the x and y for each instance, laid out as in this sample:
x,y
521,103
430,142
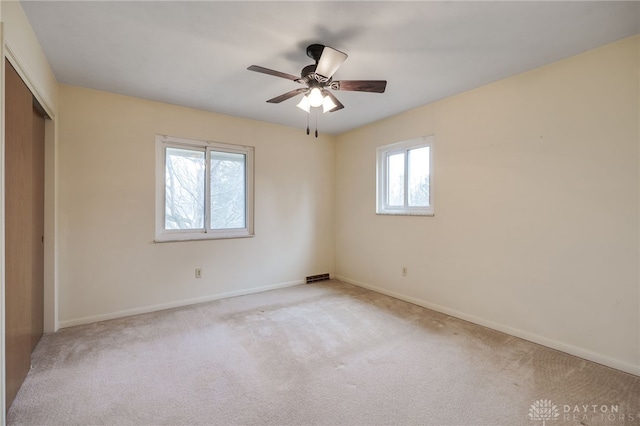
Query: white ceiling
x,y
196,53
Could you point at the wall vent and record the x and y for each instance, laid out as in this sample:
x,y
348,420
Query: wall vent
x,y
315,278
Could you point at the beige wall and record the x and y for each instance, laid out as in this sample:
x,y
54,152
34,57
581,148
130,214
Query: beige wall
x,y
109,264
536,186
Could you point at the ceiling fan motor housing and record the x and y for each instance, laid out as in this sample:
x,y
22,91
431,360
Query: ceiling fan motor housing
x,y
309,77
308,71
314,51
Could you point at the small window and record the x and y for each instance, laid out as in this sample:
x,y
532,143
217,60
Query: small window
x,y
404,178
204,190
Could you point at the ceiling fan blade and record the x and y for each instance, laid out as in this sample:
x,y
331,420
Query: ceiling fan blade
x,y
376,86
335,100
286,96
330,61
264,70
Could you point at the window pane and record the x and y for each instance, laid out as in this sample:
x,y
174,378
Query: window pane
x,y
184,189
228,207
419,177
395,168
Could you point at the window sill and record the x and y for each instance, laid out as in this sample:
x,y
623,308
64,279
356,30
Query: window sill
x,y
415,211
196,237
405,214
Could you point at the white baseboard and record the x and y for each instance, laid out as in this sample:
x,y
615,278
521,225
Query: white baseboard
x,y
162,306
541,340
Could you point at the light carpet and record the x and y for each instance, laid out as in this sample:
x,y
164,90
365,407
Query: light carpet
x,y
322,354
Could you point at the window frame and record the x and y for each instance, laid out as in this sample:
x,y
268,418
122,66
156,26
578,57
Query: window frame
x,y
207,233
382,177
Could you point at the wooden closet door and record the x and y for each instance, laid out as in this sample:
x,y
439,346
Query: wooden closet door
x,y
37,314
24,221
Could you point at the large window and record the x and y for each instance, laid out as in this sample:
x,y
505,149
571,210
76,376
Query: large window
x,y
204,190
404,178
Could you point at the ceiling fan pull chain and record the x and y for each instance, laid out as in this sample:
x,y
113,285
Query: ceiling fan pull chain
x,y
316,114
307,123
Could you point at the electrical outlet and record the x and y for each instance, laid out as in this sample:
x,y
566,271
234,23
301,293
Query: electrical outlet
x,y
404,271
198,273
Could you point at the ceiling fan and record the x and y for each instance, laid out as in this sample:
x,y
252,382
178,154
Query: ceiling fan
x,y
318,81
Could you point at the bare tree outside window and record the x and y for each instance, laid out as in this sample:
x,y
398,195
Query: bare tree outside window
x,y
403,178
227,190
419,177
204,190
396,179
184,189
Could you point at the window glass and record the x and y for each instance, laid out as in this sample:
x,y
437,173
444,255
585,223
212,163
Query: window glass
x,y
184,189
418,181
404,178
396,179
204,190
228,190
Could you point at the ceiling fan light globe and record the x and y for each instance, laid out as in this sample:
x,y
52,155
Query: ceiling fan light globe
x,y
304,104
327,104
315,97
